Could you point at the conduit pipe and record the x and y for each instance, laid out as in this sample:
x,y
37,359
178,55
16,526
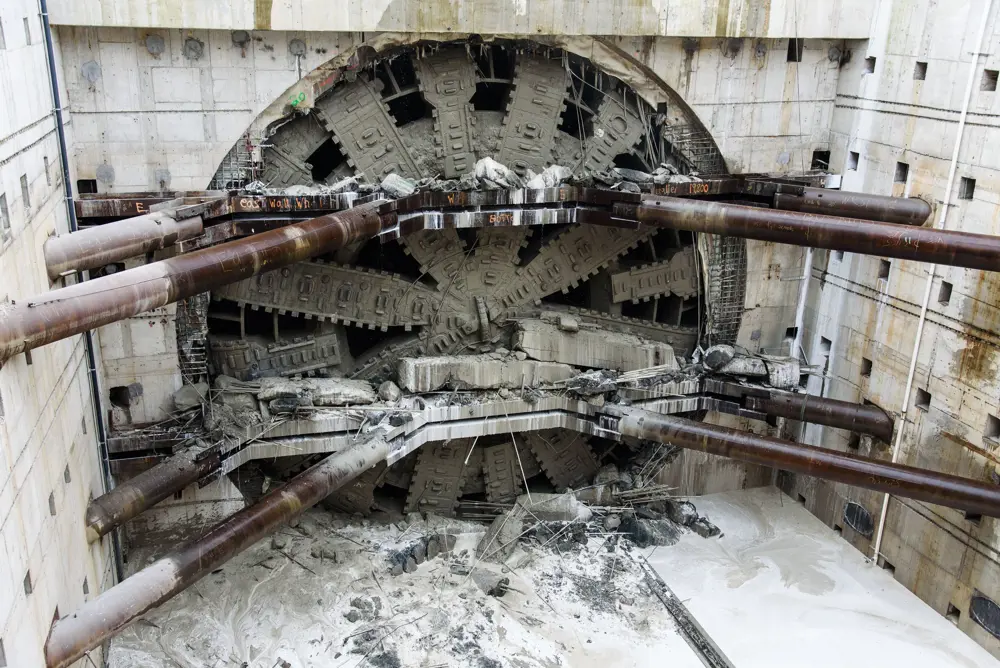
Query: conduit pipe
x,y
808,408
102,245
929,281
80,308
102,617
134,496
900,210
959,249
908,481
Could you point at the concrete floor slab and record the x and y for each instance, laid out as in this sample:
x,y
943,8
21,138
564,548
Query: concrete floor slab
x,y
780,588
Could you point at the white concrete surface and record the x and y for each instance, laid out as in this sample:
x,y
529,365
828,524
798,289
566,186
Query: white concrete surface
x,y
780,588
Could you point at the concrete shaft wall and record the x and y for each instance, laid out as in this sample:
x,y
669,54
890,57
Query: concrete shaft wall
x,y
895,127
836,19
49,464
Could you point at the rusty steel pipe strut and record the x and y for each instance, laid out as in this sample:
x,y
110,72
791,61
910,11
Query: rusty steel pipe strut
x,y
957,249
862,418
101,245
102,617
938,488
136,495
899,210
85,306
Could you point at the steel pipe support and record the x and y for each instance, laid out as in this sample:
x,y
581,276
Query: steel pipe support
x,y
85,306
865,419
102,245
938,488
145,490
900,210
101,617
957,249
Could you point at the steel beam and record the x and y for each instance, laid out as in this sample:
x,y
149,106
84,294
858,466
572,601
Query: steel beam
x,y
957,249
939,488
101,617
901,210
102,245
78,308
862,418
145,490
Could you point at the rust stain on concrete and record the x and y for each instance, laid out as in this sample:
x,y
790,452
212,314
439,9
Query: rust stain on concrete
x,y
262,14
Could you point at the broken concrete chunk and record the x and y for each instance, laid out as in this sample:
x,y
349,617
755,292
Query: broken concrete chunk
x,y
433,548
554,507
612,522
410,566
396,186
501,538
427,374
318,391
551,177
591,347
190,396
389,391
497,175
419,553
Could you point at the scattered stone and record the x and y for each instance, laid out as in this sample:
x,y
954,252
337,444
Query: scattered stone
x,y
612,522
646,533
410,566
433,548
632,175
397,569
554,507
682,512
447,541
352,616
419,552
521,355
190,396
552,176
500,588
718,356
704,528
500,539
389,391
278,542
497,175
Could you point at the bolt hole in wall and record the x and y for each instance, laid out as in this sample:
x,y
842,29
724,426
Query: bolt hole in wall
x,y
866,367
902,172
944,293
922,400
883,269
86,186
870,65
989,81
992,430
820,160
953,615
853,157
795,50
966,188
919,71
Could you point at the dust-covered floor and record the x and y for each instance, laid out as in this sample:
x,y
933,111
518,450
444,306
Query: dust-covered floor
x,y
323,594
780,588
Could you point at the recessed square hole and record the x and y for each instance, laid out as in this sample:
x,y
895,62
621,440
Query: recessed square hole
x,y
86,186
883,268
920,71
853,157
989,82
887,565
27,357
178,495
992,427
804,380
838,256
790,332
902,172
801,499
821,160
923,400
953,615
944,294
839,530
825,345
795,50
966,188
975,518
854,441
866,367
870,65
27,583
